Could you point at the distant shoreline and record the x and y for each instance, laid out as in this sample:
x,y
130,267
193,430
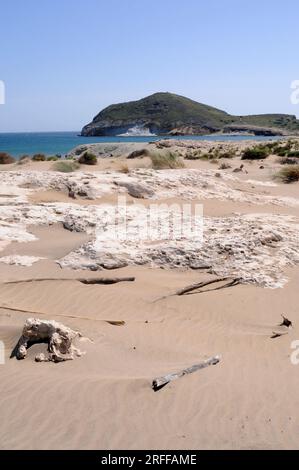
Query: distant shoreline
x,y
53,143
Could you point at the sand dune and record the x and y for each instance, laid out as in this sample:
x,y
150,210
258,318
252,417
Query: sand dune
x,y
104,399
249,400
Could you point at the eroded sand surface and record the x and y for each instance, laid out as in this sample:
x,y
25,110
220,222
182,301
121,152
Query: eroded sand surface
x,y
104,399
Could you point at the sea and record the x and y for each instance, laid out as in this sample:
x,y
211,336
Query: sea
x,y
60,143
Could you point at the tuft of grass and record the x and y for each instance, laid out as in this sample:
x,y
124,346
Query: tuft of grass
x,y
166,160
6,159
196,155
66,167
124,168
52,159
39,157
139,153
228,154
289,174
88,158
224,166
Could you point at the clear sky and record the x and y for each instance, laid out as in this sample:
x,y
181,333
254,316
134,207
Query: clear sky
x,y
64,60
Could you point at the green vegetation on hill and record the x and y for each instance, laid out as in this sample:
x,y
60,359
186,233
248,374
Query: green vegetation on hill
x,y
167,113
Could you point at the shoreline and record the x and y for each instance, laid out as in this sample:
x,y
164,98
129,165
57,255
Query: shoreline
x,y
64,142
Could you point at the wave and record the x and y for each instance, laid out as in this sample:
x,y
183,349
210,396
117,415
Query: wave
x,y
137,131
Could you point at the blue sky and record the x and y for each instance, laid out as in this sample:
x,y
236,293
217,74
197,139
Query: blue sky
x,y
64,60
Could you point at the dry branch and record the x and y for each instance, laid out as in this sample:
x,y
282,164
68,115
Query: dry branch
x,y
21,310
199,285
160,382
87,281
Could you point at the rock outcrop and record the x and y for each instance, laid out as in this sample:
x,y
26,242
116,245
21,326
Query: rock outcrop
x,y
254,248
59,337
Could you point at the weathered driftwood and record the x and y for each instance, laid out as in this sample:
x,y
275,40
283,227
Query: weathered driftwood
x,y
200,285
58,336
275,334
160,382
89,281
107,280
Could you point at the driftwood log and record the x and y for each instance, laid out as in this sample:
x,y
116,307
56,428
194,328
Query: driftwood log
x,y
58,336
160,382
275,334
87,281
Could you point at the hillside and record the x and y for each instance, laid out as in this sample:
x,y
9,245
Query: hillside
x,y
167,113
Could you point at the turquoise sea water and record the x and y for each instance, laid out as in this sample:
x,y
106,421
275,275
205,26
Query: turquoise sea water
x,y
52,143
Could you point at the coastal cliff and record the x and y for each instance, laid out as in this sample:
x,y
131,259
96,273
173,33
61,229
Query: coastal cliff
x,y
170,114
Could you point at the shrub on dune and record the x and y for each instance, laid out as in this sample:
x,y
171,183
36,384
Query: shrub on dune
x,y
88,158
256,153
39,157
282,150
294,154
224,166
66,167
52,159
196,155
139,153
165,160
6,159
228,154
289,174
124,168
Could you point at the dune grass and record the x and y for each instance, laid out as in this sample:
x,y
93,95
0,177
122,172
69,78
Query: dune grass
x,y
289,174
124,168
39,157
66,167
165,160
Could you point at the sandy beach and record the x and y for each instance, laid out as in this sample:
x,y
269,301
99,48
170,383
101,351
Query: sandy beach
x,y
141,330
